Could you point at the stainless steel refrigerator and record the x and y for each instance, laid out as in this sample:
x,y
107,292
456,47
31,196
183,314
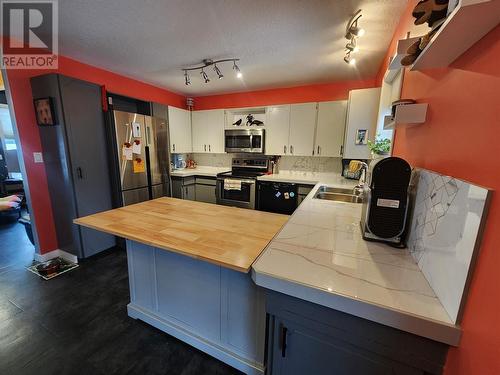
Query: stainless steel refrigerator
x,y
143,156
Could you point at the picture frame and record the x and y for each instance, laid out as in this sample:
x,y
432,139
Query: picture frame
x,y
361,137
44,111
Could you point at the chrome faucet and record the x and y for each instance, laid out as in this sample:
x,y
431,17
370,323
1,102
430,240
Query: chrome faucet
x,y
359,188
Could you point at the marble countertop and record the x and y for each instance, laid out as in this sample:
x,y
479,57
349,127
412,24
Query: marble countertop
x,y
311,178
199,171
320,256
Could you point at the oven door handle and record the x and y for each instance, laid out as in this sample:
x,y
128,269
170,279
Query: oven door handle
x,y
250,182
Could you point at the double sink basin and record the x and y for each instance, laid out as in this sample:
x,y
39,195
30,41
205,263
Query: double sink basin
x,y
339,194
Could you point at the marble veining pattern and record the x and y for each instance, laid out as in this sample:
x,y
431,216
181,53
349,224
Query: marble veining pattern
x,y
321,247
443,234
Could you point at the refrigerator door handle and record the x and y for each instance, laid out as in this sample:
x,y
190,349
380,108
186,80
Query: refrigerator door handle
x,y
148,136
79,173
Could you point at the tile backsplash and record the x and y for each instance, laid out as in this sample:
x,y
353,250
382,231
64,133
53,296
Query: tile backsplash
x,y
295,163
445,234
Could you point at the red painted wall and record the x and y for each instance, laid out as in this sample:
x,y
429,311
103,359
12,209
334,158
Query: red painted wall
x,y
299,94
30,140
460,139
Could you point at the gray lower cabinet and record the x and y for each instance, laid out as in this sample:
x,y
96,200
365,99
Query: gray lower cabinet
x,y
305,338
201,189
205,190
184,188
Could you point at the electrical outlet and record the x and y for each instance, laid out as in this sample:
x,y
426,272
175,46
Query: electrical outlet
x,y
38,157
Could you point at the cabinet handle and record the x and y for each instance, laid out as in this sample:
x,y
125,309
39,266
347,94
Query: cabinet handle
x,y
284,149
318,150
173,147
79,173
291,149
341,150
283,334
205,147
209,148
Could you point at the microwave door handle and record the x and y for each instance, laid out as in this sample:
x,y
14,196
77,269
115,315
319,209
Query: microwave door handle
x,y
251,142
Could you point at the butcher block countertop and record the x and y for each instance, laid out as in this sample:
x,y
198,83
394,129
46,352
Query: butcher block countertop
x,y
227,236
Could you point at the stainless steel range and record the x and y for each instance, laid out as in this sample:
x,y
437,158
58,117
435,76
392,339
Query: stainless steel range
x,y
237,187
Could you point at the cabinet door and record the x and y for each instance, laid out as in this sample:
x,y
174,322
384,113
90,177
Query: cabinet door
x,y
362,114
200,133
302,128
208,131
205,193
179,121
189,192
299,350
330,129
277,130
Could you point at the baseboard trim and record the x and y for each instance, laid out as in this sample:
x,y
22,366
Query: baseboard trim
x,y
54,254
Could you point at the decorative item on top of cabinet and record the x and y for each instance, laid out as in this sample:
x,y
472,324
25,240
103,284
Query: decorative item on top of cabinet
x,y
330,129
180,130
245,117
208,131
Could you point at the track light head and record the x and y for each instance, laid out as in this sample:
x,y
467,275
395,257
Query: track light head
x,y
352,46
204,76
187,80
349,60
357,31
218,72
237,69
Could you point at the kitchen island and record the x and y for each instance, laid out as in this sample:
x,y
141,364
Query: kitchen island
x,y
189,266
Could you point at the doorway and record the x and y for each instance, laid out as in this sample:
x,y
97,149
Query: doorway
x,y
17,242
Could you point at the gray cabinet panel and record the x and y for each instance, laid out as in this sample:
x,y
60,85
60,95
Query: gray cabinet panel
x,y
177,187
75,158
205,193
305,338
189,192
87,143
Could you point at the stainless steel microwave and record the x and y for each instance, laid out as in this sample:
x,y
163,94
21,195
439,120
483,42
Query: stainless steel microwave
x,y
244,140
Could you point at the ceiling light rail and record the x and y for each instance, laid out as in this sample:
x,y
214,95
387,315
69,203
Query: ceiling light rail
x,y
217,70
352,32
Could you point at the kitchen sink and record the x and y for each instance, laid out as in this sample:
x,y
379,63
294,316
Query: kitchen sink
x,y
349,198
327,189
338,195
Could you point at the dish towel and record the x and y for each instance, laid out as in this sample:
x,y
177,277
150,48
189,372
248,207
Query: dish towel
x,y
232,184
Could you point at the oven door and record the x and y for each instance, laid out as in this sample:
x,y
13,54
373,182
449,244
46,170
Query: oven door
x,y
244,198
244,140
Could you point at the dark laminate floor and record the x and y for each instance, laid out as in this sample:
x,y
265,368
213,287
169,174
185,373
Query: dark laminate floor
x,y
77,323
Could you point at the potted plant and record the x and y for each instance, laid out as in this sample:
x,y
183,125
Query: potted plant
x,y
380,147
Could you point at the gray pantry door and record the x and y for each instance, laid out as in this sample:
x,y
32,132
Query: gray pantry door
x,y
87,143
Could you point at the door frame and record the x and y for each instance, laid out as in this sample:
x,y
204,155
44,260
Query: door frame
x,y
20,158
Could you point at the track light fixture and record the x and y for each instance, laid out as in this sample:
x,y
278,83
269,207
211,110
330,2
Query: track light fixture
x,y
352,32
210,62
218,72
204,76
237,70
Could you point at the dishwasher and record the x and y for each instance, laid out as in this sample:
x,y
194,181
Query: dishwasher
x,y
278,197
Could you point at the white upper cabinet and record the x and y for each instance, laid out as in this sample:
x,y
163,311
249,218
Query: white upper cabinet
x,y
302,128
277,130
290,129
179,122
362,114
331,128
208,131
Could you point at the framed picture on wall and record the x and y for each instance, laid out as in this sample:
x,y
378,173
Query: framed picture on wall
x,y
44,109
361,137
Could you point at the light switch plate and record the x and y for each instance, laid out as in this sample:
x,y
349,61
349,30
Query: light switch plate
x,y
38,157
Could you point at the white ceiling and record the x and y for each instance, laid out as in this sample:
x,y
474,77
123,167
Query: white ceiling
x,y
280,42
